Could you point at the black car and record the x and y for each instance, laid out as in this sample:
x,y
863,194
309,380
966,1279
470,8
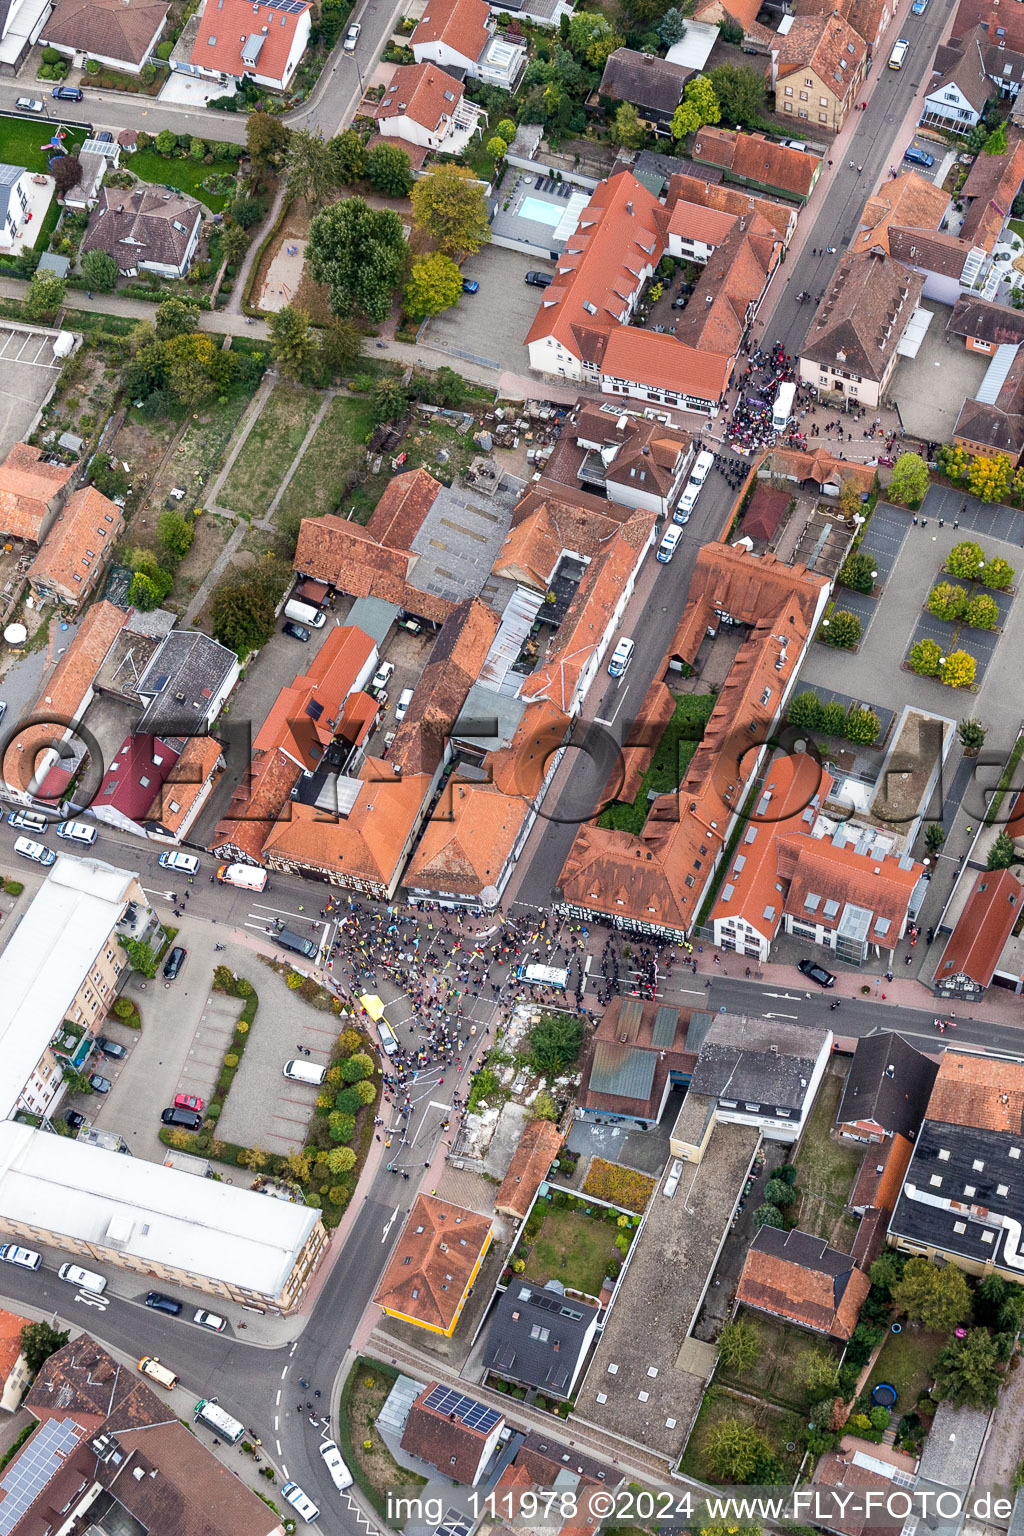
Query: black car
x,y
539,279
67,93
174,962
188,1119
818,973
161,1303
111,1048
297,631
74,1119
98,1083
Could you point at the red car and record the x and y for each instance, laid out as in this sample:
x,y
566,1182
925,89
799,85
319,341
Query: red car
x,y
188,1101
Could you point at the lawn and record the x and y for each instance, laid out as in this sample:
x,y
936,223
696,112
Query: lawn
x,y
774,1374
907,1361
275,438
24,142
185,174
826,1170
334,458
368,1458
573,1248
679,741
779,1427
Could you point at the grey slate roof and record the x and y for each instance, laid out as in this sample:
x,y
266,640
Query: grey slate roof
x,y
962,1158
536,1336
889,1082
994,323
763,1061
644,80
180,681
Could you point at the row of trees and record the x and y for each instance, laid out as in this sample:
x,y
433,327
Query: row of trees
x,y
952,603
808,713
990,477
968,561
956,669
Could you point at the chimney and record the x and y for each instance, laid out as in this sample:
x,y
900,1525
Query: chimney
x,y
629,209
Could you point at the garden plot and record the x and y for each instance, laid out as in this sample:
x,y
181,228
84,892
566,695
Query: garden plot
x,y
826,1170
274,439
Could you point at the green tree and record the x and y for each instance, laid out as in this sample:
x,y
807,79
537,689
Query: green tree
x,y
158,581
982,612
342,345
733,1450
972,736
390,401
843,631
545,1106
266,138
817,1371
768,1216
959,670
143,594
805,711
998,573
140,956
449,387
672,27
1002,853
627,129
341,1127
197,149
909,480
39,1341
934,837
451,208
176,317
995,144
967,1372
862,726
740,92
936,1295
194,368
506,129
389,169
887,1271
364,1091
833,718
858,572
243,606
555,1042
739,1346
99,271
496,147
435,284
340,1160
309,169
45,296
246,211
234,242
966,560
359,254
778,1192
591,37
166,142
293,342
924,658
348,156
698,107
175,530
947,601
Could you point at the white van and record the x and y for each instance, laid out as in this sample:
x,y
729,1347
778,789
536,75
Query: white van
x,y
25,1258
214,1417
77,832
341,1477
150,1366
667,547
703,465
388,1038
304,613
402,707
249,876
184,863
300,1502
305,1072
900,50
687,502
85,1279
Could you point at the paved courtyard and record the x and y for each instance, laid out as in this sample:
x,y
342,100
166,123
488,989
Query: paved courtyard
x,y
930,401
28,372
488,327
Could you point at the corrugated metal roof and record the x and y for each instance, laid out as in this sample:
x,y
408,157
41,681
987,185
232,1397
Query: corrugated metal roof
x,y
623,1070
666,1021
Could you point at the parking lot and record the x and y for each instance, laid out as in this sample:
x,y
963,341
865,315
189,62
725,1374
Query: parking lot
x,y
488,327
29,372
930,402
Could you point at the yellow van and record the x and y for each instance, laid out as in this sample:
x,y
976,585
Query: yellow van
x,y
150,1366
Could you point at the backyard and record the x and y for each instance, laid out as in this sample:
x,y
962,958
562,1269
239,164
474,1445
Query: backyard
x,y
776,1373
26,143
334,458
780,1428
826,1170
907,1362
186,174
573,1248
274,439
679,741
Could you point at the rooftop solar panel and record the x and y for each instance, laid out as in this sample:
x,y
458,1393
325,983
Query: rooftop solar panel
x,y
467,1410
23,1482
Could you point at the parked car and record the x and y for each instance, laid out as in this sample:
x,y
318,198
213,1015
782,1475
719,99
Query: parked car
x,y
25,1258
210,1320
25,848
919,7
383,675
352,37
687,502
111,1048
188,1101
74,1118
28,104
296,631
402,707
174,962
899,53
667,547
470,285
98,1083
67,93
341,1477
161,1303
77,832
918,156
32,821
539,279
621,657
818,973
301,1502
185,1119
184,863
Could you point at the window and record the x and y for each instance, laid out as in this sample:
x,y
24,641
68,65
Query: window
x,y
808,81
822,101
935,1181
943,1154
211,42
803,95
978,1165
970,1190
789,90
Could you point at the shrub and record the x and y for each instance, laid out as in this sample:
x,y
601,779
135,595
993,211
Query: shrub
x,y
231,1060
862,726
856,572
294,981
619,1186
965,559
805,711
982,612
843,630
998,573
768,1216
124,1008
92,67
947,601
833,718
924,658
959,670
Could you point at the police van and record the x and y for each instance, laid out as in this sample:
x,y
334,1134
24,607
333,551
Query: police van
x,y
213,1416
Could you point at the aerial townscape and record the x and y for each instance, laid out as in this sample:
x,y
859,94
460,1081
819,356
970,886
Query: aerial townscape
x,y
511,783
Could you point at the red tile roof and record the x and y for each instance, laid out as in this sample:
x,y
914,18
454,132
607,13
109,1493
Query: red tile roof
x,y
28,488
538,1147
830,48
443,1440
422,92
72,554
290,727
10,1342
433,1261
646,357
398,516
984,1094
693,221
815,866
112,29
797,1276
461,24
227,24
982,929
755,157
740,201
200,759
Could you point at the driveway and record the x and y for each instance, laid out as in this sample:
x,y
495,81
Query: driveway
x,y
488,327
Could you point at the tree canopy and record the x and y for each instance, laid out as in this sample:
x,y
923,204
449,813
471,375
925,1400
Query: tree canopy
x,y
435,284
698,107
359,254
936,1295
450,206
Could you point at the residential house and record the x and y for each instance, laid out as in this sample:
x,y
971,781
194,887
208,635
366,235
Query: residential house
x,y
994,421
985,327
875,1193
185,790
971,957
644,365
145,230
798,1278
730,291
186,683
14,1371
886,1090
853,341
870,19
637,1056
991,186
749,1072
963,87
613,452
694,231
104,1440
949,1461
743,13
231,40
95,158
119,33
654,882
652,85
434,1264
538,1147
540,1337
908,202
1000,24
427,107
694,188
818,469
32,487
818,69
14,201
854,1482
72,554
963,1200
756,161
453,1433
133,780
847,892
460,36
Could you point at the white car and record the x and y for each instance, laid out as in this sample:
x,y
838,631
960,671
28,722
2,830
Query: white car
x,y
341,1477
25,1258
301,1502
184,863
352,37
383,675
667,547
210,1320
25,848
28,104
621,657
402,707
687,502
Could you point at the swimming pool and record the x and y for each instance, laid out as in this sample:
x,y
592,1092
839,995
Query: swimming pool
x,y
540,212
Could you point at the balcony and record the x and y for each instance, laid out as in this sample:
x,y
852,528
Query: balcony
x,y
71,1043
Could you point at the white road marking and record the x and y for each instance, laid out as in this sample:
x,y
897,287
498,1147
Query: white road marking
x,y
284,1373
277,1399
92,1301
277,1444
780,1015
389,1223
